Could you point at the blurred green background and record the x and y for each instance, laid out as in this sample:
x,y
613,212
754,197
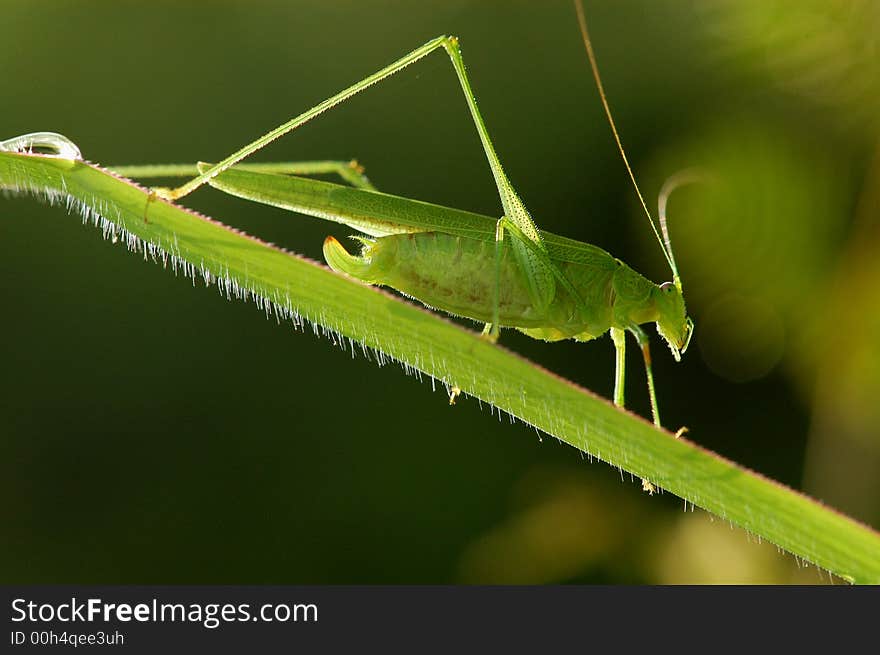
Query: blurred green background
x,y
153,432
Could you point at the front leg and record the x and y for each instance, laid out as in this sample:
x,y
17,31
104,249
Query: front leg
x,y
642,338
644,344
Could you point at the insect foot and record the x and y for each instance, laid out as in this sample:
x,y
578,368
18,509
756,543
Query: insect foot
x,y
163,192
489,334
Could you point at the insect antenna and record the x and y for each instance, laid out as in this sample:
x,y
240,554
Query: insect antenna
x,y
680,179
665,246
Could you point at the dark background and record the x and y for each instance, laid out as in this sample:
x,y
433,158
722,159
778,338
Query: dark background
x,y
156,433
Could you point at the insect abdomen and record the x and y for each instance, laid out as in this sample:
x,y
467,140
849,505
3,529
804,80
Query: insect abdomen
x,y
457,274
452,273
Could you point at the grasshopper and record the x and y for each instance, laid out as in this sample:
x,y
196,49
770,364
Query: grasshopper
x,y
503,272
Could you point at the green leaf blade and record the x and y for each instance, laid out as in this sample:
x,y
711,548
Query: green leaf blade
x,y
299,289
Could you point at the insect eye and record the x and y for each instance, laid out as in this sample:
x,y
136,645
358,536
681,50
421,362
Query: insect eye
x,y
667,287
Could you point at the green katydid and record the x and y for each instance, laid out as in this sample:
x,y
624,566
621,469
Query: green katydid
x,y
504,272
